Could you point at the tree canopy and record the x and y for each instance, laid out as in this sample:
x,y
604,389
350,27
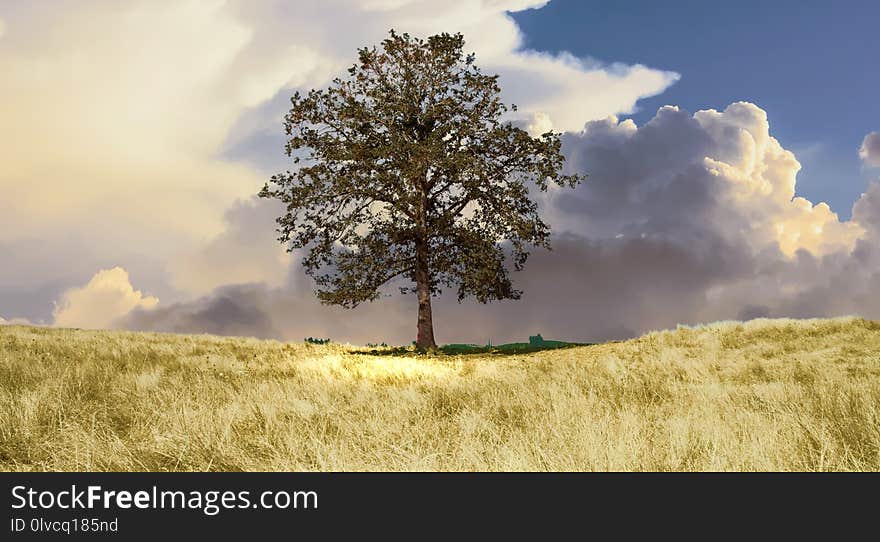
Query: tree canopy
x,y
409,168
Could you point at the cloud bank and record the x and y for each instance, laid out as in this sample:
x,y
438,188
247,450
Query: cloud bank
x,y
136,133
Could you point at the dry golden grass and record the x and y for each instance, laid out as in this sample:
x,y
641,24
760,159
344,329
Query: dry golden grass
x,y
765,395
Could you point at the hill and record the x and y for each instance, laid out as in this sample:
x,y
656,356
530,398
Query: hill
x,y
763,395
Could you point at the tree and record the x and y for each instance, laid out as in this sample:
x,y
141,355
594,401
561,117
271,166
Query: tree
x,y
408,169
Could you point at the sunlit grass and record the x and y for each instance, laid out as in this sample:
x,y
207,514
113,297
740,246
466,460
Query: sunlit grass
x,y
765,395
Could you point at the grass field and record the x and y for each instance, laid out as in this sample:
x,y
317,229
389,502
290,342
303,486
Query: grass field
x,y
765,395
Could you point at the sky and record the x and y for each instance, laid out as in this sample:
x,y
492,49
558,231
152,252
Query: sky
x,y
732,153
794,58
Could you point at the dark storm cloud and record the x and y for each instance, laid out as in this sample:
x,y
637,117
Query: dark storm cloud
x,y
232,310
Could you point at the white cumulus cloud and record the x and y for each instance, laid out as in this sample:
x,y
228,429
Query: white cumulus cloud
x,y
107,296
681,176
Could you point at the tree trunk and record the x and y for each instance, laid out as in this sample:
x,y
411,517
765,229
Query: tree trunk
x,y
425,337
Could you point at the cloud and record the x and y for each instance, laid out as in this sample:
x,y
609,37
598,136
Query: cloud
x,y
112,117
107,296
717,183
866,210
233,310
870,150
688,177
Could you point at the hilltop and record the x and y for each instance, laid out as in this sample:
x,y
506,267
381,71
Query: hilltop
x,y
762,395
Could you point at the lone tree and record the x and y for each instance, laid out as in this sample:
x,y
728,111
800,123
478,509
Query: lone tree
x,y
409,169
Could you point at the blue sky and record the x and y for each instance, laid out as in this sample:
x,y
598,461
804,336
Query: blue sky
x,y
813,66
